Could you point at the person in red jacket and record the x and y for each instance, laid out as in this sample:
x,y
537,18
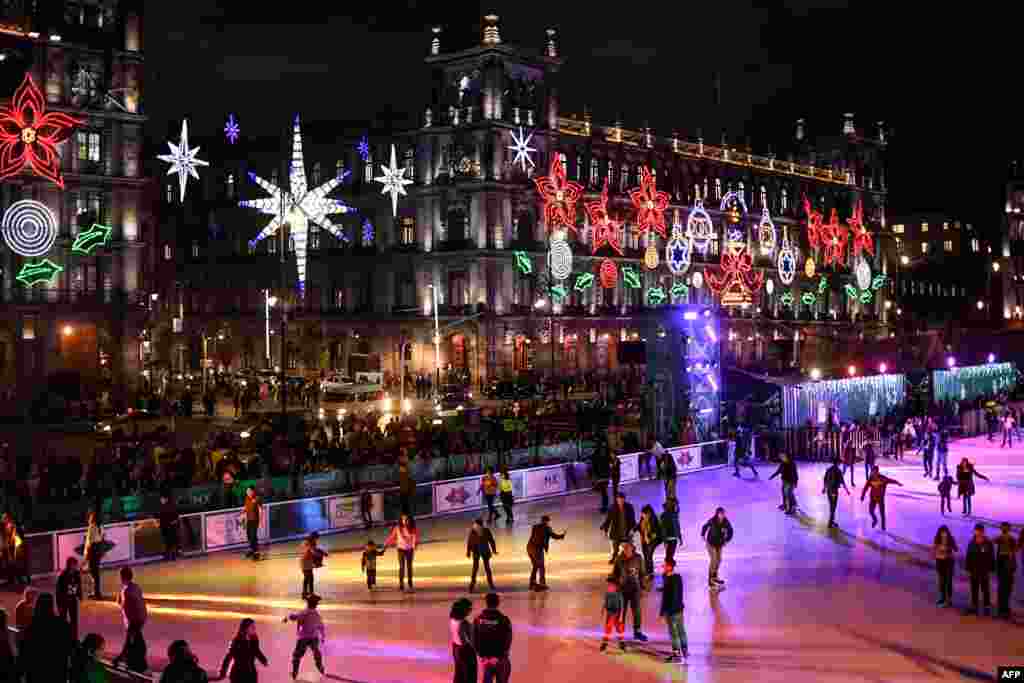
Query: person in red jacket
x,y
876,483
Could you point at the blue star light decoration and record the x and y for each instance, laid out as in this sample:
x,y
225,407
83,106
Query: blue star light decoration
x,y
393,180
298,206
183,160
521,147
367,232
363,148
231,129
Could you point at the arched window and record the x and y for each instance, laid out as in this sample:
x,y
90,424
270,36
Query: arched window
x,y
785,201
316,174
743,192
764,197
231,185
368,169
167,252
579,167
704,194
624,177
718,189
339,168
410,163
594,172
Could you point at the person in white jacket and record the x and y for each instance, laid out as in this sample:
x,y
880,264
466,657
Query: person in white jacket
x,y
405,537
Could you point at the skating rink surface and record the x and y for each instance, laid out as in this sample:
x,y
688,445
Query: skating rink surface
x,y
802,603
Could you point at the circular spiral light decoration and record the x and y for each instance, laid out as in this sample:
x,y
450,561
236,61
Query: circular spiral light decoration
x,y
29,228
609,274
559,257
862,271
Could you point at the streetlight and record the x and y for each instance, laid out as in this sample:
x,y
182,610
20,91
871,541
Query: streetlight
x,y
981,304
852,370
882,367
437,346
951,362
268,302
815,374
991,358
905,260
68,330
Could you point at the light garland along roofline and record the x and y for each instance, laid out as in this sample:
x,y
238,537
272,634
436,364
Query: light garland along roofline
x,y
694,150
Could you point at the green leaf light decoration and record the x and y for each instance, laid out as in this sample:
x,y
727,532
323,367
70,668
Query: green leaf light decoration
x,y
583,281
822,284
524,264
878,282
559,293
866,296
41,271
656,296
630,277
851,291
786,299
809,298
88,240
680,290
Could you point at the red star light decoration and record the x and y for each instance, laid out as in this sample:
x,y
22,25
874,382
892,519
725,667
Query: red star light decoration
x,y
834,237
814,219
559,196
29,134
650,204
738,284
862,240
606,230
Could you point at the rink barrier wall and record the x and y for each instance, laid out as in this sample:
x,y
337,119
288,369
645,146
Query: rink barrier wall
x,y
139,541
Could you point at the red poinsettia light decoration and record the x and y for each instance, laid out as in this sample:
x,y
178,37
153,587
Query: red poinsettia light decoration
x,y
559,196
738,283
834,237
862,240
650,204
29,134
814,220
606,230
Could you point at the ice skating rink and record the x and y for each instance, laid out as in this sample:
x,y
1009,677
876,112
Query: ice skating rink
x,y
803,603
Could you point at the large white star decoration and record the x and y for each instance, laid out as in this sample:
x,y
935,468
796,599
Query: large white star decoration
x,y
183,160
521,146
298,206
394,181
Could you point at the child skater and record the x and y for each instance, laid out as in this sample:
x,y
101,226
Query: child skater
x,y
311,557
310,633
613,616
945,494
370,555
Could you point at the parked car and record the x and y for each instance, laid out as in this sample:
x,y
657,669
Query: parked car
x,y
510,390
126,421
454,397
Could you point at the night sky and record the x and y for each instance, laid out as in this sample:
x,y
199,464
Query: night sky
x,y
940,81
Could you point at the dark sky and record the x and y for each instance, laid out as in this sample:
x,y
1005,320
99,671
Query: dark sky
x,y
940,80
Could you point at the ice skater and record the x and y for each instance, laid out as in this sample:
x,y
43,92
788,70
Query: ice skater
x,y
619,524
670,526
461,634
979,562
243,653
668,472
69,594
405,537
650,537
492,635
869,458
310,633
944,548
672,611
834,479
877,483
717,533
537,547
942,455
790,477
489,487
311,556
945,495
612,612
1006,568
928,450
250,516
366,508
965,474
506,495
1008,427
480,546
850,460
629,570
369,563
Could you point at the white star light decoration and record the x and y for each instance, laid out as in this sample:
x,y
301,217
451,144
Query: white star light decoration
x,y
183,160
298,206
394,181
521,146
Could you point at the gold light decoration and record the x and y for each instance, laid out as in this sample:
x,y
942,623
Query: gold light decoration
x,y
651,257
809,268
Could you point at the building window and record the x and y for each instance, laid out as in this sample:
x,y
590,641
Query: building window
x,y
623,178
785,200
924,228
947,245
274,178
408,230
314,236
898,229
169,194
595,172
899,244
410,164
195,250
316,174
231,185
975,245
89,146
272,245
718,189
339,168
167,252
579,167
88,210
763,198
945,226
368,169
924,247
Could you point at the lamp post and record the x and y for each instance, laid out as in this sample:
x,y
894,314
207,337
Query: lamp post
x,y
268,302
437,346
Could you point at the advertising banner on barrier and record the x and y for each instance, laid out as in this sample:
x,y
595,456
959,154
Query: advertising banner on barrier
x,y
228,528
628,468
345,512
462,494
686,458
545,482
72,544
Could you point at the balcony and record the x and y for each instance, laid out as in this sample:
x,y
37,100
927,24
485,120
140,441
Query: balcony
x,y
82,300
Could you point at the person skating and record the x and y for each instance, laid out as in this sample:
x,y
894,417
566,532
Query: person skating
x,y
311,556
69,594
405,537
670,526
629,569
366,508
310,632
790,477
369,563
717,533
619,524
667,471
93,553
965,474
480,546
601,472
928,450
877,484
536,548
506,495
615,471
612,612
834,479
1006,568
182,665
489,487
945,495
169,521
492,634
1008,426
870,458
742,456
945,549
460,632
942,455
650,537
850,460
980,560
672,610
250,516
134,613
